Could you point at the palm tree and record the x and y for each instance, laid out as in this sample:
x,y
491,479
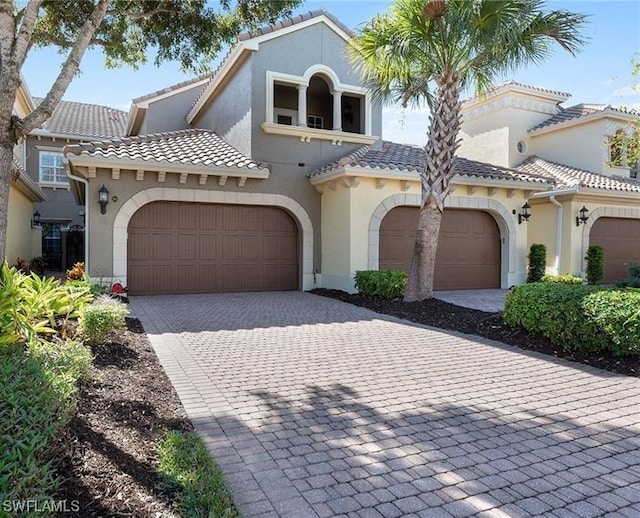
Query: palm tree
x,y
431,51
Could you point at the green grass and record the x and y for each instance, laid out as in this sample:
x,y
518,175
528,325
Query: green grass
x,y
187,468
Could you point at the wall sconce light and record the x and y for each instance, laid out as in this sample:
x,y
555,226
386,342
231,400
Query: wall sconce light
x,y
525,214
35,222
103,199
583,217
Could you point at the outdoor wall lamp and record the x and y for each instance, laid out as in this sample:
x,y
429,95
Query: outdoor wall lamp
x,y
35,222
103,199
583,217
525,214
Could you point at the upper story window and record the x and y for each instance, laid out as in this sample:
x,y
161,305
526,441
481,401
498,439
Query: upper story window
x,y
52,169
319,102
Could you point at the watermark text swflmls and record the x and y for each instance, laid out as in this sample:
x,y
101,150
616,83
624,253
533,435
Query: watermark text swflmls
x,y
40,506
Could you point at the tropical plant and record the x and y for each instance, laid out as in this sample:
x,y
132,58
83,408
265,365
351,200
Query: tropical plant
x,y
431,51
191,32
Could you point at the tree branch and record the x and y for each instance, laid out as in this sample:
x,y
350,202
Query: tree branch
x,y
23,38
69,69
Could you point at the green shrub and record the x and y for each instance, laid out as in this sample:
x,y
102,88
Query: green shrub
x,y
595,264
634,282
537,262
567,278
388,284
36,402
186,467
101,318
577,317
615,314
95,289
634,270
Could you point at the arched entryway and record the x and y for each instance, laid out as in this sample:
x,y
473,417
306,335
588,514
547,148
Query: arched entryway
x,y
469,247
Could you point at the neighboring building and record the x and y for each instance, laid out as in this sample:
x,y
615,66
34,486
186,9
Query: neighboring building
x,y
271,174
61,217
526,128
23,237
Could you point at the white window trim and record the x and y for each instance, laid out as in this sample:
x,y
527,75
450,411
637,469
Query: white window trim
x,y
273,77
51,150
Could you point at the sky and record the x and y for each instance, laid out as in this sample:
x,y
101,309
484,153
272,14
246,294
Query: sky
x,y
600,73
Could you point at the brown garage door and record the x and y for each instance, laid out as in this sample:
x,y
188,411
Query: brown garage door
x,y
468,247
620,239
203,248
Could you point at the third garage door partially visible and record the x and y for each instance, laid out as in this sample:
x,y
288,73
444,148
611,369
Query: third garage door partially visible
x,y
468,247
203,248
620,239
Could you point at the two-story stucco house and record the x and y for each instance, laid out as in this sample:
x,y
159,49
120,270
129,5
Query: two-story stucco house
x,y
23,232
526,128
271,174
61,218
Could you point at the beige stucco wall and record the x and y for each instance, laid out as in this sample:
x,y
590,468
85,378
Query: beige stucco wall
x,y
582,146
22,240
352,215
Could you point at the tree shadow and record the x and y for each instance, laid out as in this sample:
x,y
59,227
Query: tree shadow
x,y
330,451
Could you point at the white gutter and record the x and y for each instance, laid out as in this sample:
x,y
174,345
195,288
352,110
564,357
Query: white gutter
x,y
86,212
557,192
559,220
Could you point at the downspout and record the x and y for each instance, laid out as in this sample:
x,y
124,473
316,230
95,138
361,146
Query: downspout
x,y
559,217
86,213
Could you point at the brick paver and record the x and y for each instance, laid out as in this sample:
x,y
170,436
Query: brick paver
x,y
313,408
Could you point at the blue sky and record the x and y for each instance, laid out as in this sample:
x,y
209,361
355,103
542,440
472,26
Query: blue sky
x,y
601,73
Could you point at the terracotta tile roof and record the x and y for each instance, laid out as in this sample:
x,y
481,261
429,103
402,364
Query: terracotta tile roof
x,y
292,21
184,147
576,112
402,157
169,89
85,120
566,177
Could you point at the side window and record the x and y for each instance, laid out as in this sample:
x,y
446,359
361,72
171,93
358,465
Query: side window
x,y
315,121
52,169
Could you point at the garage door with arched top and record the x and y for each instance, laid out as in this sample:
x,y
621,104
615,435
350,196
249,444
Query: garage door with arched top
x,y
176,247
620,238
468,254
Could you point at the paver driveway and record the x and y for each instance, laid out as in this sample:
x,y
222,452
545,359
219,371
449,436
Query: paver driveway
x,y
313,407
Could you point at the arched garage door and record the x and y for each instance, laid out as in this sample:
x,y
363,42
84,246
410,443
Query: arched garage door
x,y
468,247
176,247
620,238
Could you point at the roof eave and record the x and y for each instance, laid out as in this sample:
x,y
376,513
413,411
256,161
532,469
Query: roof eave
x,y
237,57
168,167
626,117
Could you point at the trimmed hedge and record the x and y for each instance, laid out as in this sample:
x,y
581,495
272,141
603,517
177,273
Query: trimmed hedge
x,y
566,278
388,284
577,317
595,264
537,262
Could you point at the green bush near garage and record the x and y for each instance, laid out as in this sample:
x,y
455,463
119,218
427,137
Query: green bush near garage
x,y
388,284
577,317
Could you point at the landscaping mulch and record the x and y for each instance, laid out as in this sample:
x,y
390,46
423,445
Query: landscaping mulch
x,y
437,313
124,407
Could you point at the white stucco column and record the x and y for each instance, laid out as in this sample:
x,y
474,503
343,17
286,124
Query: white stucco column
x,y
302,105
337,110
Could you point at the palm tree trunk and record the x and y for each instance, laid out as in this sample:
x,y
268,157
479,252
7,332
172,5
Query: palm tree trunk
x,y
436,177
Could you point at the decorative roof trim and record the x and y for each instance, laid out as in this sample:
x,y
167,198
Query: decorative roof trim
x,y
144,100
513,86
308,134
576,121
220,78
165,166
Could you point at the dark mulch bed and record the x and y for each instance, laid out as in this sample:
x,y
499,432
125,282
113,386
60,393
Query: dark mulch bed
x,y
110,449
437,313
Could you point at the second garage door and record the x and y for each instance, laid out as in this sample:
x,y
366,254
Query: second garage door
x,y
468,247
620,238
202,248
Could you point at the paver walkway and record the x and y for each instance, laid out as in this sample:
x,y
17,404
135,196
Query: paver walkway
x,y
313,407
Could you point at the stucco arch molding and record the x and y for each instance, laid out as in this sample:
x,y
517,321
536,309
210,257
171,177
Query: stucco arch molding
x,y
498,210
131,206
